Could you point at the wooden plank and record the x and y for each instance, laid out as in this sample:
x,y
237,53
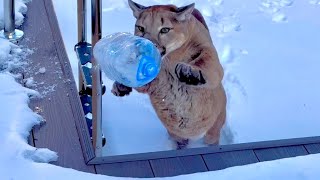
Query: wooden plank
x,y
177,166
30,137
59,132
279,152
74,99
224,160
206,150
141,169
313,148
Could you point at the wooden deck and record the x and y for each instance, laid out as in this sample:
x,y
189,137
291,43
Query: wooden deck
x,y
60,105
65,129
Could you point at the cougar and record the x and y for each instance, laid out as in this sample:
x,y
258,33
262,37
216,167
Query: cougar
x,y
187,95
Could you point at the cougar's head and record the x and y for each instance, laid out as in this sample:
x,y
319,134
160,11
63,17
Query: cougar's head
x,y
165,25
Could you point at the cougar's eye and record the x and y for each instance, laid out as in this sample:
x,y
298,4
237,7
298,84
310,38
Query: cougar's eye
x,y
165,30
141,29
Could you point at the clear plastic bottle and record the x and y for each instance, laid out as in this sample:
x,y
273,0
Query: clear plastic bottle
x,y
130,60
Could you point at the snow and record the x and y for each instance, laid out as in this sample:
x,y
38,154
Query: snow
x,y
315,2
272,90
279,77
274,8
42,70
29,82
16,120
14,139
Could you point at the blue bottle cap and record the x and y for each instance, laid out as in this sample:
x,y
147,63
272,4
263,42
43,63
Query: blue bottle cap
x,y
148,69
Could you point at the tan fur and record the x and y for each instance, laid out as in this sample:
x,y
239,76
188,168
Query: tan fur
x,y
187,111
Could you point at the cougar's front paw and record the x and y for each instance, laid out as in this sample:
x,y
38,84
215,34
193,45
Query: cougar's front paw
x,y
120,90
189,75
182,144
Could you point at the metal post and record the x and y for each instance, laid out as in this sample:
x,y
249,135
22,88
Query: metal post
x,y
9,31
96,80
82,21
82,33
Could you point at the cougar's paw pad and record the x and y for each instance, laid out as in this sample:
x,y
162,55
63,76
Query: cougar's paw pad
x,y
189,75
182,144
120,90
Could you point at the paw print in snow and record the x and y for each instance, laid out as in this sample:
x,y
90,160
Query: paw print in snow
x,y
273,8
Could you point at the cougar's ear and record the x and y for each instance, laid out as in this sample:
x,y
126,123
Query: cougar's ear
x,y
185,12
136,8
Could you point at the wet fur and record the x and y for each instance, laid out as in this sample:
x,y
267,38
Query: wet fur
x,y
188,108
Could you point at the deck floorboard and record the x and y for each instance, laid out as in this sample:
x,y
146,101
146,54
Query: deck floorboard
x,y
218,161
141,169
56,85
177,166
313,148
269,154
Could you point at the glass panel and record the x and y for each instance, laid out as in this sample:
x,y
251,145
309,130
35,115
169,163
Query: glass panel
x,y
270,54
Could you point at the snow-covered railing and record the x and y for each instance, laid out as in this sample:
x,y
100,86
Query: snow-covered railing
x,y
9,32
90,84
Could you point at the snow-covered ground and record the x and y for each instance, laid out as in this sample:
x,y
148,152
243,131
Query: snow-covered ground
x,y
18,160
270,53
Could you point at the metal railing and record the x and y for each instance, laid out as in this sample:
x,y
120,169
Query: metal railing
x,y
96,10
82,32
9,32
90,84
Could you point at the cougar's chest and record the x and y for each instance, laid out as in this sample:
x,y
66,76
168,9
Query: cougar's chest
x,y
169,92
